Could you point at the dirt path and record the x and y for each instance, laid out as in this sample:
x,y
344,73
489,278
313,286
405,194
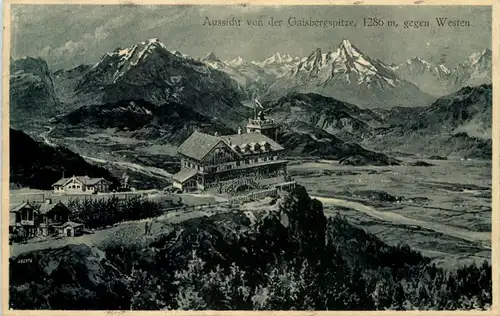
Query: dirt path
x,y
482,237
126,232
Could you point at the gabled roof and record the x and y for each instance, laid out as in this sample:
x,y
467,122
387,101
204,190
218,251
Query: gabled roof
x,y
86,180
18,207
248,138
198,145
46,208
61,181
184,175
70,224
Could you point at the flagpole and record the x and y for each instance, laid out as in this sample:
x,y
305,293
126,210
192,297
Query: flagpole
x,y
255,108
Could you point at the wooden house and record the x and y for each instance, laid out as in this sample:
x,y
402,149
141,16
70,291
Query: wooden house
x,y
81,185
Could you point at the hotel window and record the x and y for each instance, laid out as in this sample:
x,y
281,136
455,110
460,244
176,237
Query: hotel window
x,y
237,163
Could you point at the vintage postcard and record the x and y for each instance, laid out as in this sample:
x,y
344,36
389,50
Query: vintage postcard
x,y
250,157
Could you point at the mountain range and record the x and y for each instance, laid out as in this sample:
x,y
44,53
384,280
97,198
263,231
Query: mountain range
x,y
439,80
149,71
349,75
323,101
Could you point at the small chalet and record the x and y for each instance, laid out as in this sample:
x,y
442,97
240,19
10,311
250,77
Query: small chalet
x,y
43,219
24,216
81,185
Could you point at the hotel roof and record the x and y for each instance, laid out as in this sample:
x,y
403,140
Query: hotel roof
x,y
198,145
248,138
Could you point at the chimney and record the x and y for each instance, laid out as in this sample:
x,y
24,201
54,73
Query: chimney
x,y
216,134
239,130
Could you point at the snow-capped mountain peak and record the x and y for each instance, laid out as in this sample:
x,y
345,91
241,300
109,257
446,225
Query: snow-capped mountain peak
x,y
127,58
238,61
347,49
279,58
477,69
476,57
419,64
444,69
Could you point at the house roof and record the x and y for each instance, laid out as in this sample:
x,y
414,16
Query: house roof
x,y
86,180
184,175
18,207
249,138
45,208
198,145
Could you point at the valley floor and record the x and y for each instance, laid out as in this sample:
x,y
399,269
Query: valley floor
x,y
448,220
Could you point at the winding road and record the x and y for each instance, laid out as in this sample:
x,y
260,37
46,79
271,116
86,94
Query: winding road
x,y
483,237
45,137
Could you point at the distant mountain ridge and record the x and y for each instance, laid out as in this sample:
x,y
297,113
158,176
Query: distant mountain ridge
x,y
171,122
32,92
346,121
458,124
432,79
250,78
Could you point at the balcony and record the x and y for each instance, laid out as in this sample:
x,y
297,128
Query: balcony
x,y
27,222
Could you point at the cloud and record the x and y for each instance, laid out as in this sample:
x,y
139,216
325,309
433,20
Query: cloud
x,y
78,49
69,35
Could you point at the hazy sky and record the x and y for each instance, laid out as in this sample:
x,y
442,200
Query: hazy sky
x,y
69,35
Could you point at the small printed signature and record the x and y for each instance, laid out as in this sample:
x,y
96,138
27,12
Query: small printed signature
x,y
24,260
